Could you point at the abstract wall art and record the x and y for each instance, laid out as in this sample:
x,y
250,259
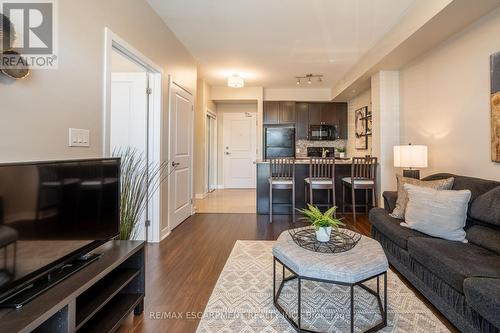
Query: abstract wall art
x,y
495,107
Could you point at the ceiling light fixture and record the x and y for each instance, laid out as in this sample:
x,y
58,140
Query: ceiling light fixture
x,y
235,81
309,78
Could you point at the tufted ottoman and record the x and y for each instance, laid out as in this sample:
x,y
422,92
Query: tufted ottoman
x,y
364,262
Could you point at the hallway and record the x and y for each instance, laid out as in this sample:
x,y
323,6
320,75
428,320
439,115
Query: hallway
x,y
225,201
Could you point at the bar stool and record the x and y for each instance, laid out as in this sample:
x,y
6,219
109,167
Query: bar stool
x,y
363,177
281,177
321,177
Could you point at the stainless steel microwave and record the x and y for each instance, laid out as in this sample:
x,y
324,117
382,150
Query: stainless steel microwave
x,y
322,132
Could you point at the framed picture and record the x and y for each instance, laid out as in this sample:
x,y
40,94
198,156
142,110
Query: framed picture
x,y
495,107
360,125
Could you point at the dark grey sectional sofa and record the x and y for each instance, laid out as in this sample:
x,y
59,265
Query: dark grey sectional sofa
x,y
462,280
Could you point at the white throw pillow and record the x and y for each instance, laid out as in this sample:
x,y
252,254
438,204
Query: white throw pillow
x,y
438,213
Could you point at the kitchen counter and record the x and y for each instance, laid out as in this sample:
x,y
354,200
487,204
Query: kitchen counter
x,y
282,197
305,160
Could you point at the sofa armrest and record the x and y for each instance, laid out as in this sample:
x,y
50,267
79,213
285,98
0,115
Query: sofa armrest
x,y
483,295
390,198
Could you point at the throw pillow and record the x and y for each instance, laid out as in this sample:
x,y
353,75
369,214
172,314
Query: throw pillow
x,y
438,213
440,184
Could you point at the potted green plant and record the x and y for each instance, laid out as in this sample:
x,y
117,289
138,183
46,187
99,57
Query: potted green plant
x,y
341,151
139,181
322,222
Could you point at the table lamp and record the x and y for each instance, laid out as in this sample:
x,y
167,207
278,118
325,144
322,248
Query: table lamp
x,y
410,157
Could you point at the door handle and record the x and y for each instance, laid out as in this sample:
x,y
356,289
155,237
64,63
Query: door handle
x,y
227,153
175,164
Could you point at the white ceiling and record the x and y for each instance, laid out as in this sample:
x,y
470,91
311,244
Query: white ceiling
x,y
271,41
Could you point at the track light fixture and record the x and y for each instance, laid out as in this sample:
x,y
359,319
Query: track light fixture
x,y
309,78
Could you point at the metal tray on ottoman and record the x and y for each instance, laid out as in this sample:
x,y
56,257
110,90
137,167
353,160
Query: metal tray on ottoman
x,y
362,263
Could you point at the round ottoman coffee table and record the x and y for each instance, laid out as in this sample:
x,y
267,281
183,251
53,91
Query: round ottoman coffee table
x,y
351,269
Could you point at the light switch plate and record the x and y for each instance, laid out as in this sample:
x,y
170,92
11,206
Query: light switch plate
x,y
79,137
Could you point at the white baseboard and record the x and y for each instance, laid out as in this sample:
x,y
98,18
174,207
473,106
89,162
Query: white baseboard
x,y
200,196
164,233
219,187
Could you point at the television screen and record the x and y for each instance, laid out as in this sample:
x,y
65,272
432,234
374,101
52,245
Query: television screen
x,y
51,211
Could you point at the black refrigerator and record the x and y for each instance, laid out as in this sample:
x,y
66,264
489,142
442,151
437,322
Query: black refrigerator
x,y
279,142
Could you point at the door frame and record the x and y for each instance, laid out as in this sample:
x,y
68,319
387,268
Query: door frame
x,y
213,115
166,231
113,42
225,114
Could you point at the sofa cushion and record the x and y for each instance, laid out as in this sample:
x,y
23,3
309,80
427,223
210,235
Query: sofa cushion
x,y
486,207
389,226
483,295
477,186
437,213
402,199
453,261
485,237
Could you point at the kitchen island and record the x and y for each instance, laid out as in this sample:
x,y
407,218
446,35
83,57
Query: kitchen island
x,y
282,198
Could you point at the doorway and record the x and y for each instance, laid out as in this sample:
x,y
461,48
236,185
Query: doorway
x,y
240,149
132,119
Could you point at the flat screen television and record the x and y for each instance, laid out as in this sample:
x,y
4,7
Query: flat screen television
x,y
51,213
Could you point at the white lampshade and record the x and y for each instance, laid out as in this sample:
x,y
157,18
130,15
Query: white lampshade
x,y
235,81
410,156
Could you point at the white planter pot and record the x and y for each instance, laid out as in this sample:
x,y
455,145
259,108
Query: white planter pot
x,y
342,155
323,234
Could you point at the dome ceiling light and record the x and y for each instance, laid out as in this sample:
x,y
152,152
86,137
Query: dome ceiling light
x,y
309,78
235,81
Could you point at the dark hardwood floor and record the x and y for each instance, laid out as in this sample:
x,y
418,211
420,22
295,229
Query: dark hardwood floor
x,y
182,270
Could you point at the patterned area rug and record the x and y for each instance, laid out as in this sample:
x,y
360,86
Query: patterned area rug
x,y
242,300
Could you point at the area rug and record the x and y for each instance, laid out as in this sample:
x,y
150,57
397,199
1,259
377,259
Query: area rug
x,y
242,300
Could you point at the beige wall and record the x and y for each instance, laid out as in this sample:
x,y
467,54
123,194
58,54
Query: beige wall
x,y
37,112
445,101
362,100
297,94
203,103
222,108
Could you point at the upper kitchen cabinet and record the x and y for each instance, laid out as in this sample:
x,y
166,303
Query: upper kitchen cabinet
x,y
279,112
315,114
302,121
271,113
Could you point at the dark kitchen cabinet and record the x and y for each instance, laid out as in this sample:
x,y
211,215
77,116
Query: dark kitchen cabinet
x,y
271,113
287,112
302,121
279,113
341,111
314,113
328,114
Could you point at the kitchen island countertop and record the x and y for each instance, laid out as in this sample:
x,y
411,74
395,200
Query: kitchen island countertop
x,y
305,160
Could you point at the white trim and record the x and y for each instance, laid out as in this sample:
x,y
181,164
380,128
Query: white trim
x,y
113,42
164,233
200,196
220,187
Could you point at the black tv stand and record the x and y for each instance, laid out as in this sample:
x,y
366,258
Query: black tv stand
x,y
47,281
86,297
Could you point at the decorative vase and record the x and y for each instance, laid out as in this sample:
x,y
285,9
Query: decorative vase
x,y
323,234
342,155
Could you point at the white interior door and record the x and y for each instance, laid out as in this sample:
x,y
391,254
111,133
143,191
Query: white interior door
x,y
239,149
180,180
128,111
129,116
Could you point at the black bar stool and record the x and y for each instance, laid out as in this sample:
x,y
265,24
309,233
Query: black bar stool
x,y
321,177
363,177
281,177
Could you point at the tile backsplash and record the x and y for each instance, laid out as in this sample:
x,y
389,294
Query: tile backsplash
x,y
302,145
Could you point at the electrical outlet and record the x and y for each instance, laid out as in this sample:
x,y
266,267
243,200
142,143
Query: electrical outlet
x,y
79,137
